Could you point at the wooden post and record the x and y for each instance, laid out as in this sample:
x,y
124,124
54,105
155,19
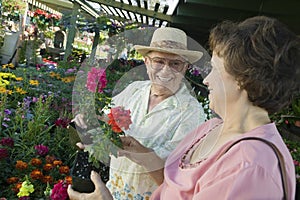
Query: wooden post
x,y
71,31
95,43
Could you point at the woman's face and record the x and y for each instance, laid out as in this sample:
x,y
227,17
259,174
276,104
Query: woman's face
x,y
165,70
223,89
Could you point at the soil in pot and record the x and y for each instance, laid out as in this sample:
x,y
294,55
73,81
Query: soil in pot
x,y
81,172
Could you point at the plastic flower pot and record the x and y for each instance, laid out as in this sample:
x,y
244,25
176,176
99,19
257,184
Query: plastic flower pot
x,y
81,172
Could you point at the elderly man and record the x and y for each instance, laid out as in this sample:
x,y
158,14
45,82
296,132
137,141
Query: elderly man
x,y
163,111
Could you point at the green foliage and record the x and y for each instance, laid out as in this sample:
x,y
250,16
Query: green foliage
x,y
294,147
35,108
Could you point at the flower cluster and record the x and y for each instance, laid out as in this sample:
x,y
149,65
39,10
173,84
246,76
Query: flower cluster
x,y
105,122
32,178
43,18
118,119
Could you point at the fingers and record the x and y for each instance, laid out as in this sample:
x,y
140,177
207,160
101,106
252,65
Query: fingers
x,y
80,145
101,191
79,120
72,193
95,177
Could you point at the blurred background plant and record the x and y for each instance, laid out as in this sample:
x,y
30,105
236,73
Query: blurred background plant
x,y
35,109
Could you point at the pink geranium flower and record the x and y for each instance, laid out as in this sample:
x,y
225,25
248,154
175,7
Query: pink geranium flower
x,y
96,79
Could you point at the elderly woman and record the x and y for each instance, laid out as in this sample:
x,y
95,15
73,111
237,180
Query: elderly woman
x,y
255,72
162,109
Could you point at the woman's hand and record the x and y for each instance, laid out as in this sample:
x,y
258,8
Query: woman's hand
x,y
135,151
101,192
79,121
143,156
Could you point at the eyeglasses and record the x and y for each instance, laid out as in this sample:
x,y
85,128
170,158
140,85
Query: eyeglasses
x,y
158,63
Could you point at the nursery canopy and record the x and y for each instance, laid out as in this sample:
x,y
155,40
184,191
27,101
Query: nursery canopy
x,y
196,17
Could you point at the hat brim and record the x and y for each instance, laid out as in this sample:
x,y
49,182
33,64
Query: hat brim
x,y
191,56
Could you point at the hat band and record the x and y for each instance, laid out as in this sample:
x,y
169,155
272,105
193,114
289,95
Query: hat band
x,y
168,44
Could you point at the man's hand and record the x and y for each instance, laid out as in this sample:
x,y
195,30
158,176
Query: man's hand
x,y
79,121
101,192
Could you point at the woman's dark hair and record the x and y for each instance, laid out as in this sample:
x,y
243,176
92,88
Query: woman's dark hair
x,y
264,57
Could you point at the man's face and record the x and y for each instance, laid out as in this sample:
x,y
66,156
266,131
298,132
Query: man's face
x,y
165,69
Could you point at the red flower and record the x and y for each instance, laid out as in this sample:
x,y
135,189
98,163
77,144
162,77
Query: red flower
x,y
119,118
41,150
59,191
7,142
62,122
96,79
3,153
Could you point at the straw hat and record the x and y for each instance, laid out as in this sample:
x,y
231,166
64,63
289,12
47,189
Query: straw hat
x,y
170,40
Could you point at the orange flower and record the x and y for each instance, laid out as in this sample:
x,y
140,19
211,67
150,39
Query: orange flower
x,y
12,180
50,159
48,167
57,162
17,187
119,118
36,174
47,179
36,162
21,165
68,179
64,169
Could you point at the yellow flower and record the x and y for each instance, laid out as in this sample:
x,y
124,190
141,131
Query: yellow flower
x,y
33,82
19,79
11,65
68,79
26,189
2,89
4,66
20,90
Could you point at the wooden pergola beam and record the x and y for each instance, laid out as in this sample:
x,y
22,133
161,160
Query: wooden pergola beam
x,y
135,9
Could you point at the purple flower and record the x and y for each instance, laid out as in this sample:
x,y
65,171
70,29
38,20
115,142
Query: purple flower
x,y
3,153
34,99
6,119
5,124
7,142
196,72
41,150
7,111
24,198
